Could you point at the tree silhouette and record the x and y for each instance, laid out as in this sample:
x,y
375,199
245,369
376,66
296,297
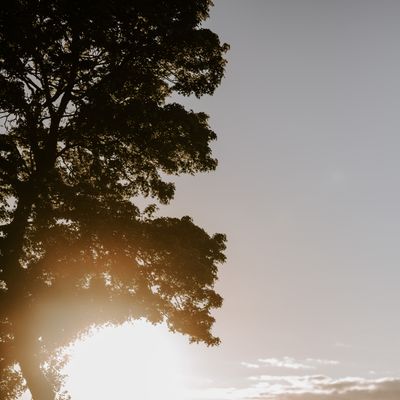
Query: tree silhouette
x,y
86,129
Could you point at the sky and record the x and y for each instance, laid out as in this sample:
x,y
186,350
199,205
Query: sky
x,y
307,191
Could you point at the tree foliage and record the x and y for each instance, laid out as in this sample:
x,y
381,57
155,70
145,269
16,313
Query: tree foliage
x,y
87,127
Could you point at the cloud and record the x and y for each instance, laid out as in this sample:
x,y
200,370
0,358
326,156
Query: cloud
x,y
285,362
290,363
320,387
309,387
322,362
302,385
250,365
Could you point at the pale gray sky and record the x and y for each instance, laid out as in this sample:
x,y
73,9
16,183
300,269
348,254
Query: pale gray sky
x,y
307,190
308,186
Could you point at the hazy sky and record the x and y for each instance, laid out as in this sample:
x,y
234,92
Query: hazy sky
x,y
307,191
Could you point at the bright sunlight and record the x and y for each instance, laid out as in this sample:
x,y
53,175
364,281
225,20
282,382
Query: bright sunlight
x,y
133,361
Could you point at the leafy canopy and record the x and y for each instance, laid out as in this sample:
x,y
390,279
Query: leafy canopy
x,y
87,127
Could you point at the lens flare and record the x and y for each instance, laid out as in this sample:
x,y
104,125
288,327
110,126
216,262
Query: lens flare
x,y
132,361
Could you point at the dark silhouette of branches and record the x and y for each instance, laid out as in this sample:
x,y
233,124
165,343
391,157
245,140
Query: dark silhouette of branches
x,y
86,128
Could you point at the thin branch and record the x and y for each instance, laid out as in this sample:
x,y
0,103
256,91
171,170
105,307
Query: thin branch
x,y
47,91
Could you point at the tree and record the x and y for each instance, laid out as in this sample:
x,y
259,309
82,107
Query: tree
x,y
87,127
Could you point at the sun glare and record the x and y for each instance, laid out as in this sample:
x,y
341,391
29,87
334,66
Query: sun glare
x,y
133,361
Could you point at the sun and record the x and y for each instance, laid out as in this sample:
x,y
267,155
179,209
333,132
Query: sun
x,y
132,361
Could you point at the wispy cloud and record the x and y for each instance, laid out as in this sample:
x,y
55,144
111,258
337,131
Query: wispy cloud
x,y
320,361
250,365
290,363
285,362
319,387
309,387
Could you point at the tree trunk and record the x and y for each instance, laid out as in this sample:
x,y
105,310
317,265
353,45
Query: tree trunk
x,y
28,353
38,385
12,244
14,276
